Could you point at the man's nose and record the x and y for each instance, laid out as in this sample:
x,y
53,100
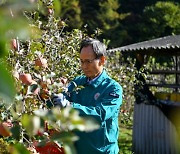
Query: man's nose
x,y
84,66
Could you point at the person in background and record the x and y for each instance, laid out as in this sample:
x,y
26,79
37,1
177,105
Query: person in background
x,y
100,98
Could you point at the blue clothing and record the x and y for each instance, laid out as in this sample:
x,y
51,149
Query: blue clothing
x,y
101,99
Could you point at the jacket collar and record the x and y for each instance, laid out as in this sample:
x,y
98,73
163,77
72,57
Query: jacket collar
x,y
97,81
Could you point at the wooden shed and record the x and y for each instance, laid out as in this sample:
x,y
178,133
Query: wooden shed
x,y
156,124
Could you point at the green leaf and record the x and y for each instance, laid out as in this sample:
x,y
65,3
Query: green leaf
x,y
2,2
91,124
57,7
3,50
7,89
41,112
69,148
16,132
19,149
31,123
64,137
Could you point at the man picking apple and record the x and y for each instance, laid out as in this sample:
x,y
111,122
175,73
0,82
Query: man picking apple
x,y
100,97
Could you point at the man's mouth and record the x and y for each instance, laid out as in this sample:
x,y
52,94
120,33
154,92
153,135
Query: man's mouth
x,y
86,72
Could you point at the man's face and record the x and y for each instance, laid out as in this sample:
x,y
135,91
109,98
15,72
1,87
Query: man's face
x,y
91,66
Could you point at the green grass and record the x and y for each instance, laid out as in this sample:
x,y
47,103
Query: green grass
x,y
125,139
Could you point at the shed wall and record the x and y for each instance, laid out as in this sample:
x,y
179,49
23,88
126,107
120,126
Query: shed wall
x,y
153,133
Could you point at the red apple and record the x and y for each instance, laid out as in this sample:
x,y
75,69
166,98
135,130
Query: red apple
x,y
26,78
14,44
41,62
50,11
4,131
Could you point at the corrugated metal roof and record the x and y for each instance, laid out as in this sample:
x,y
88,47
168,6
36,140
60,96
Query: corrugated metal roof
x,y
168,42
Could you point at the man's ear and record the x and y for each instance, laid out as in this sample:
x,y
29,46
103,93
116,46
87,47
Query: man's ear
x,y
102,60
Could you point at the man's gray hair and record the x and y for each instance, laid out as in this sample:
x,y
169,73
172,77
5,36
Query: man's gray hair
x,y
98,47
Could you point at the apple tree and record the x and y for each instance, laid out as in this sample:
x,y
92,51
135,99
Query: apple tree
x,y
38,59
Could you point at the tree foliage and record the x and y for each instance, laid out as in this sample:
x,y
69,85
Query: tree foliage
x,y
101,17
42,60
161,19
157,19
70,12
123,22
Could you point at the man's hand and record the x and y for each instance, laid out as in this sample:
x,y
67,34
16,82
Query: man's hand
x,y
60,100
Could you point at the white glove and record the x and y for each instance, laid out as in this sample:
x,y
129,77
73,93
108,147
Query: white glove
x,y
60,100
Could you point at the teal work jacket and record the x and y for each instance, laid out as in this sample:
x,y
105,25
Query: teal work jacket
x,y
101,99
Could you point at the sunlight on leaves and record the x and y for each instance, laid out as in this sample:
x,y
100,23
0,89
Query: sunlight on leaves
x,y
7,89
